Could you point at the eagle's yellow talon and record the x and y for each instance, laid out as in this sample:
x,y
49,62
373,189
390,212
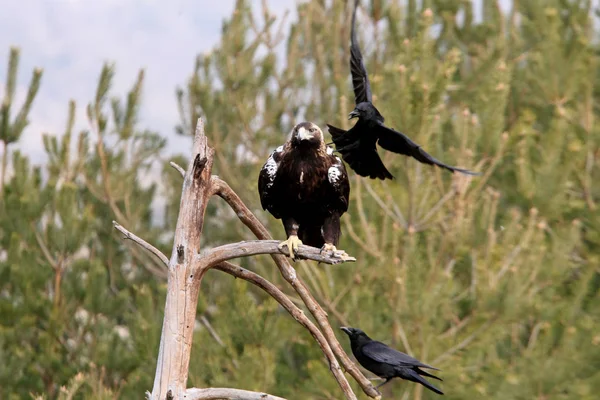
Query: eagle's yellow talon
x,y
292,243
333,251
328,247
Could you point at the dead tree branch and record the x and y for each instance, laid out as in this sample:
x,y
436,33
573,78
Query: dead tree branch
x,y
178,168
222,189
254,247
142,243
296,313
184,278
228,394
186,269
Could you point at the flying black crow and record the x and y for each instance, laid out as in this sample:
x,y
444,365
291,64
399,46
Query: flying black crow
x,y
306,186
386,362
357,145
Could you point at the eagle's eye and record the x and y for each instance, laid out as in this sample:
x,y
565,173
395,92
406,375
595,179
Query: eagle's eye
x,y
312,130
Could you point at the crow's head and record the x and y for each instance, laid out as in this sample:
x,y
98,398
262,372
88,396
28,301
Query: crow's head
x,y
353,333
307,134
366,111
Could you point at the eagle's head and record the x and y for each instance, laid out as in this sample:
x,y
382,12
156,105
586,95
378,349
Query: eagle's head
x,y
306,135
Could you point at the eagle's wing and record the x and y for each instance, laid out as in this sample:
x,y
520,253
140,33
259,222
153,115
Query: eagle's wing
x,y
266,179
397,142
383,353
360,80
338,183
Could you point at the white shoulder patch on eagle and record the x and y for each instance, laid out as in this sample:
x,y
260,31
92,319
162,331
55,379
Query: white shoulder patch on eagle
x,y
279,149
334,174
271,168
329,150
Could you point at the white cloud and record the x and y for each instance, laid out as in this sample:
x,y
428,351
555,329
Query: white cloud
x,y
71,39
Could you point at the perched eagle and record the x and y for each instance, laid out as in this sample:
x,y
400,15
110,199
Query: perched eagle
x,y
306,186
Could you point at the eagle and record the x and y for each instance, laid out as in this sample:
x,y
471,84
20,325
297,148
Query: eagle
x,y
307,187
357,145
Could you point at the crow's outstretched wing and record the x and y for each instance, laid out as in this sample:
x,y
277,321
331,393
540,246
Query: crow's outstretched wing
x,y
360,80
266,180
381,352
361,155
397,142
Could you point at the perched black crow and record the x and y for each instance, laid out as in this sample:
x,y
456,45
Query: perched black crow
x,y
357,145
306,186
386,362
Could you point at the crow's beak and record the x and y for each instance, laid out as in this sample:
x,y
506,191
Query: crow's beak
x,y
347,330
353,114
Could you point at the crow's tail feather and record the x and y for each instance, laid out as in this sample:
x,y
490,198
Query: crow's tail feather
x,y
412,375
427,374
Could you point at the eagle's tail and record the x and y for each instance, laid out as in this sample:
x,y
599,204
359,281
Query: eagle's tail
x,y
311,235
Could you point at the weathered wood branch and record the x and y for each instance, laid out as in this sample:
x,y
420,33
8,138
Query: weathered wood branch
x,y
222,189
178,168
247,248
184,277
185,271
296,313
141,242
228,394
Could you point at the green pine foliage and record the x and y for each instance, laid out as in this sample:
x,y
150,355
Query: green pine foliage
x,y
493,279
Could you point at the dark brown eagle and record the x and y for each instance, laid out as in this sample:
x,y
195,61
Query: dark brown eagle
x,y
306,186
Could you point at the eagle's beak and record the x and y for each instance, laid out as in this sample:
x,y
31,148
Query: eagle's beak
x,y
304,134
353,114
347,330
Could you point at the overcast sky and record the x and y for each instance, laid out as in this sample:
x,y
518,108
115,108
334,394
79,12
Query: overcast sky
x,y
70,40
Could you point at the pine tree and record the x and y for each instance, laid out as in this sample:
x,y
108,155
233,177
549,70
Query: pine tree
x,y
492,279
478,274
11,127
74,301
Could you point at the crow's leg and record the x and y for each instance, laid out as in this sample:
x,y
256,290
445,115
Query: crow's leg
x,y
384,382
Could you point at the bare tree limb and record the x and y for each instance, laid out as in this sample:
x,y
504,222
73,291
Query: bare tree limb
x,y
211,330
184,278
297,314
223,190
186,269
228,394
247,248
178,168
142,242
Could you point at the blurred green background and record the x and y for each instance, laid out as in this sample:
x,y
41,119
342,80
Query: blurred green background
x,y
492,279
